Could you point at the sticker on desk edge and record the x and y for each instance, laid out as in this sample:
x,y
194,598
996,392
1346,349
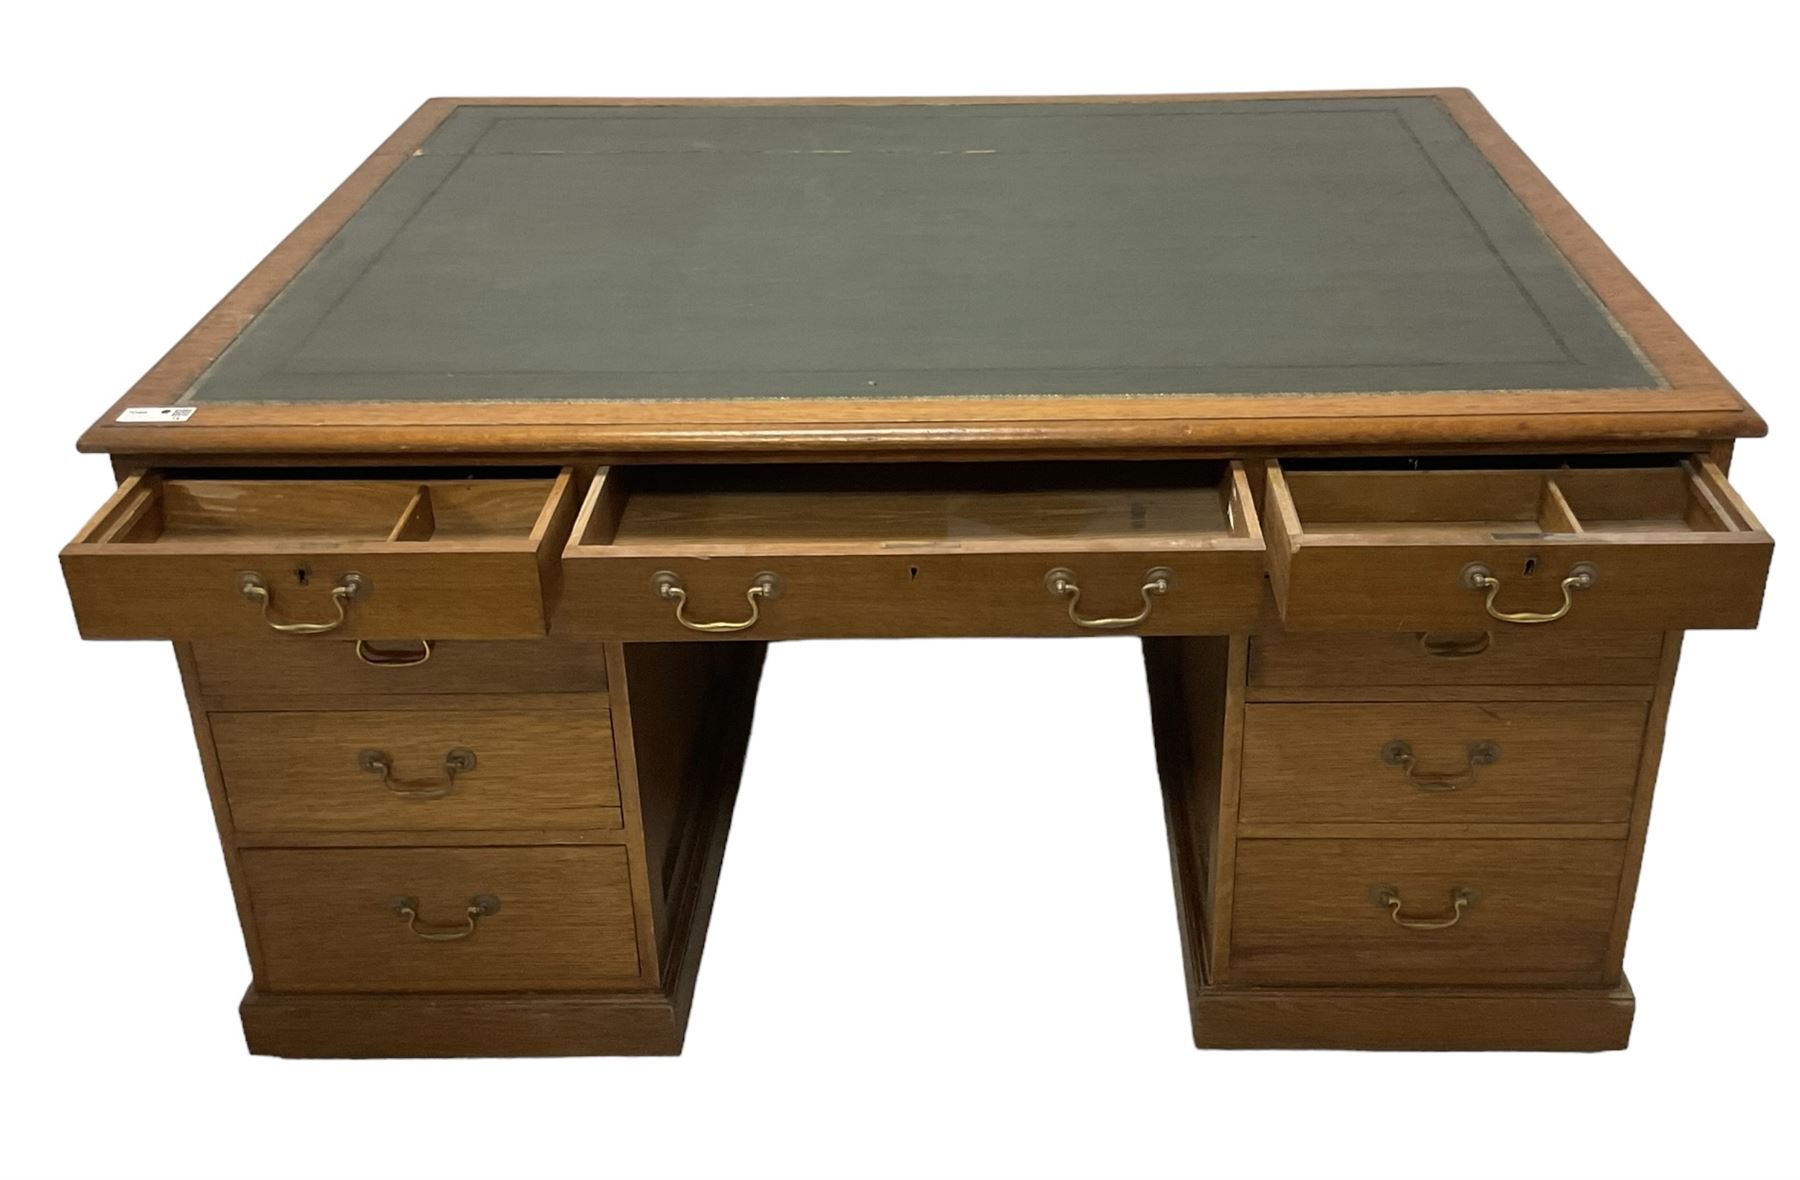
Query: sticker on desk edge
x,y
157,414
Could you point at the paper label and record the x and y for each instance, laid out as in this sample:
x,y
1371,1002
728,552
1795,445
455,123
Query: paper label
x,y
157,414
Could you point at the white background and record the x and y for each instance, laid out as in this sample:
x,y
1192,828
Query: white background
x,y
945,942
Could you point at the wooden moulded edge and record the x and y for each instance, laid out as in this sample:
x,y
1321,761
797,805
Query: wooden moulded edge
x,y
1698,404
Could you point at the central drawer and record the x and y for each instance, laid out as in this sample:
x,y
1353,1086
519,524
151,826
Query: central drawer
x,y
1440,762
546,766
789,552
442,919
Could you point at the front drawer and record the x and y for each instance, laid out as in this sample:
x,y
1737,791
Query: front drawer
x,y
302,560
1642,548
1446,912
787,552
481,919
344,672
1495,655
401,770
1440,762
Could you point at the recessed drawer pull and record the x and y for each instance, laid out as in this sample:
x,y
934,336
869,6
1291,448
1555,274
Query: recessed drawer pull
x,y
480,906
1461,898
373,656
1478,577
1455,647
253,587
668,585
1061,584
459,760
1398,753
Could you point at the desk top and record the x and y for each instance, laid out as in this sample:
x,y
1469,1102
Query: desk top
x,y
936,276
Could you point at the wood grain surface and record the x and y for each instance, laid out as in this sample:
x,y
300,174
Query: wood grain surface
x,y
1417,1019
327,922
1303,911
329,675
892,570
1494,655
162,559
299,771
1557,763
1359,550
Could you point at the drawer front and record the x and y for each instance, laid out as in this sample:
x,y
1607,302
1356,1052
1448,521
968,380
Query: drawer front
x,y
1444,912
1009,549
315,560
398,770
338,673
917,595
1655,549
548,919
1512,655
1440,762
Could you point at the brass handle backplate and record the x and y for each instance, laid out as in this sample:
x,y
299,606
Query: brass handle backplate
x,y
255,587
375,657
1461,898
457,760
1455,647
1478,577
1399,753
480,906
667,585
1061,584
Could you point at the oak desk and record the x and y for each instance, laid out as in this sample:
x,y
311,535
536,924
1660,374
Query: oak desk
x,y
471,509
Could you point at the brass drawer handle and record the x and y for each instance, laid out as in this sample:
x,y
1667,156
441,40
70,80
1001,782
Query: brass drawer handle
x,y
352,585
1455,647
1461,898
458,760
376,658
1478,577
1398,753
1061,584
480,906
668,585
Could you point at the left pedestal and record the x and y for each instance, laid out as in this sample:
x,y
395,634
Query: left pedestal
x,y
476,849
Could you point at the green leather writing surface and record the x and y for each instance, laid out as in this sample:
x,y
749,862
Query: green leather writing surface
x,y
580,253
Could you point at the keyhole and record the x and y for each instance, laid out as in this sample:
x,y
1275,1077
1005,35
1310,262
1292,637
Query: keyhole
x,y
1530,566
301,575
912,571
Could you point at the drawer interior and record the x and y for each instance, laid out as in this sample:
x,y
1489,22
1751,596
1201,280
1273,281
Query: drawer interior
x,y
892,508
1499,504
158,510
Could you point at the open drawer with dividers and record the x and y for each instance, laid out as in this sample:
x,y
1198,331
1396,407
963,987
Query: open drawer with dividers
x,y
1655,545
799,551
345,557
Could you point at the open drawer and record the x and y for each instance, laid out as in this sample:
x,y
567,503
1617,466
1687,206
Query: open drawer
x,y
1663,547
914,549
348,558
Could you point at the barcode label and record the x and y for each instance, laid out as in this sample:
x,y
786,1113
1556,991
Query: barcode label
x,y
157,414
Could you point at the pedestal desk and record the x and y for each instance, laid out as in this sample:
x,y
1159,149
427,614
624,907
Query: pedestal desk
x,y
471,510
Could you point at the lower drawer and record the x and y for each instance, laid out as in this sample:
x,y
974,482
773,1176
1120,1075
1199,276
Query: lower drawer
x,y
481,919
1476,912
546,766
